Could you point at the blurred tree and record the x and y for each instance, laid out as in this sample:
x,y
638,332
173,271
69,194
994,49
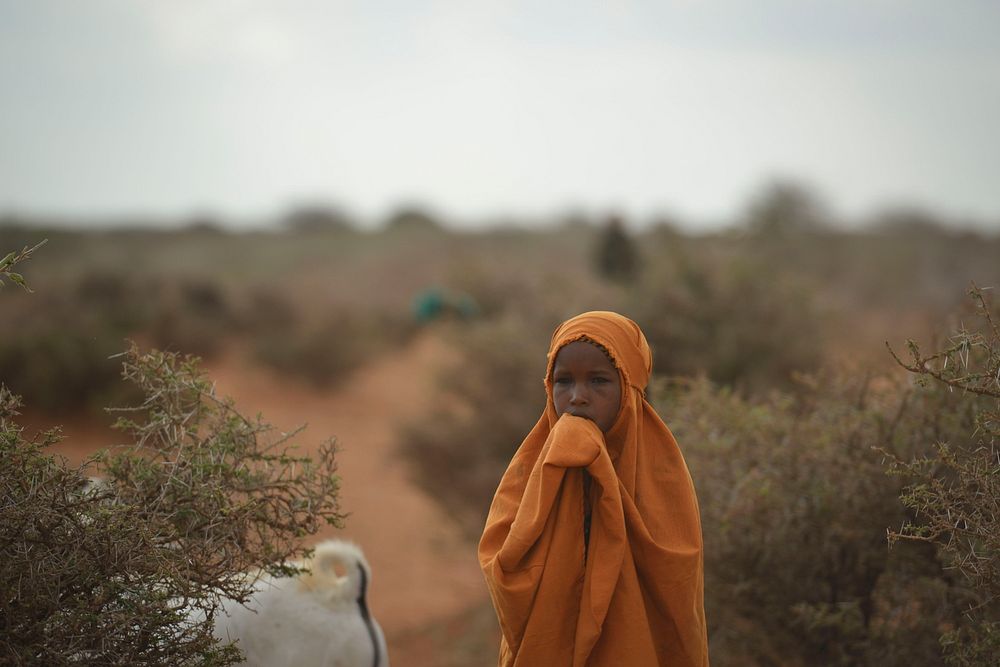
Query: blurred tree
x,y
617,257
908,221
319,218
412,218
664,227
785,209
205,224
575,220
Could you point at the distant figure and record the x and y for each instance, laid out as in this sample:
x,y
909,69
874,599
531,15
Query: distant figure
x,y
435,303
592,550
617,258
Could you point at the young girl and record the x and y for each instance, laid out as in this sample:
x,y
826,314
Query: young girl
x,y
592,550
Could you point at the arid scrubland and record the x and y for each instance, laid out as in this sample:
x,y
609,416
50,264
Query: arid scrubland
x,y
769,349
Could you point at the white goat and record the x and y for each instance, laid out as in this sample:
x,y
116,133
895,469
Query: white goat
x,y
318,618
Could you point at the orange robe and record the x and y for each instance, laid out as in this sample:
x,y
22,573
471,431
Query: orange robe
x,y
637,597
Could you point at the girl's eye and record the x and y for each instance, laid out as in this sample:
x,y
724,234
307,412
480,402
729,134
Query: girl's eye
x,y
561,380
601,380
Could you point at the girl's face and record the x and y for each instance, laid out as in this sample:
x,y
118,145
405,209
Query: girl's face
x,y
585,383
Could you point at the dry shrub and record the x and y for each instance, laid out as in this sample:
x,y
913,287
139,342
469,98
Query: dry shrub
x,y
54,351
122,300
55,347
488,401
81,578
121,574
321,346
191,316
795,506
738,320
955,490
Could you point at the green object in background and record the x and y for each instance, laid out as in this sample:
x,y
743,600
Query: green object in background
x,y
435,302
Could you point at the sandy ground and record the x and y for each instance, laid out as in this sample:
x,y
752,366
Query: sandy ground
x,y
427,590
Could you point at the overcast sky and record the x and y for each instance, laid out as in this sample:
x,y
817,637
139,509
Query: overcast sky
x,y
484,109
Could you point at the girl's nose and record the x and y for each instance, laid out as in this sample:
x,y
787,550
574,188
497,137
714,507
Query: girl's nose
x,y
578,396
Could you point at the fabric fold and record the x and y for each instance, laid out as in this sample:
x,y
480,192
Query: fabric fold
x,y
636,597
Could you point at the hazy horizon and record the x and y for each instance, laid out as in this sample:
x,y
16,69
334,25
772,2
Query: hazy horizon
x,y
503,110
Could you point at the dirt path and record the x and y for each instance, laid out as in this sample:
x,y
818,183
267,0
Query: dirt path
x,y
423,570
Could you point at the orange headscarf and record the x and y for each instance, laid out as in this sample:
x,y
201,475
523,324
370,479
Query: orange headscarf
x,y
636,599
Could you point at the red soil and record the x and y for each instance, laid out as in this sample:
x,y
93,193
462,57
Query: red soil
x,y
425,574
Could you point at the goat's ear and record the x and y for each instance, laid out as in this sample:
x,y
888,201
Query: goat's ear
x,y
329,563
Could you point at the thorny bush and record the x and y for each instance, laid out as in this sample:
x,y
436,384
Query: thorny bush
x,y
131,570
955,491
